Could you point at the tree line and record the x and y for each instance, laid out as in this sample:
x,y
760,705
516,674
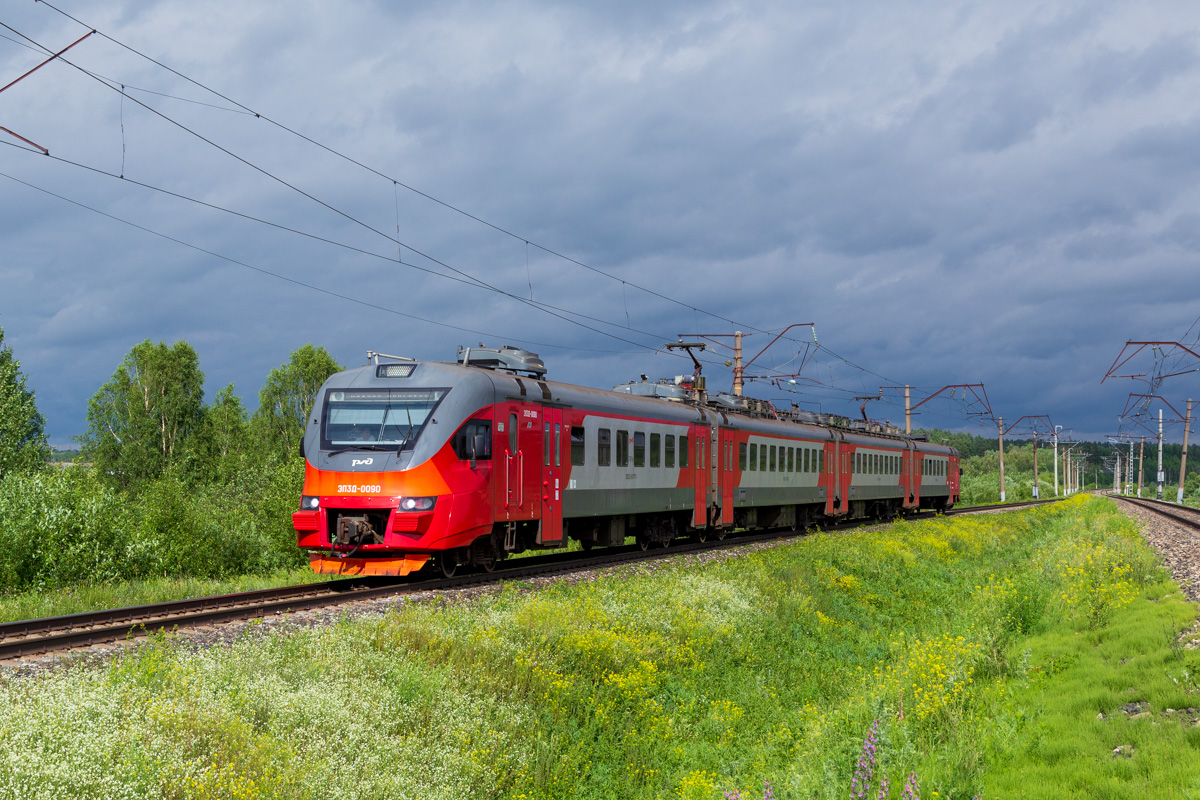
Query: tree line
x,y
176,486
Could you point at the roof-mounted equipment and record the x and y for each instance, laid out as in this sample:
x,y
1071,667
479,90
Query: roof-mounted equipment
x,y
505,359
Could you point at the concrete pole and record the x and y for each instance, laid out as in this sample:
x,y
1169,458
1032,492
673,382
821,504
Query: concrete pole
x,y
1187,423
1117,473
1000,423
1141,464
1161,477
1056,461
1129,470
737,363
907,411
1035,469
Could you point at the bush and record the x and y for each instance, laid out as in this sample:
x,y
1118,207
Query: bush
x,y
60,527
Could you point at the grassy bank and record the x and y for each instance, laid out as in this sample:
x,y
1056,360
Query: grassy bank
x,y
95,596
984,646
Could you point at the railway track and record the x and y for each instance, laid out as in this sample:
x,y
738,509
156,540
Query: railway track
x,y
36,636
1188,517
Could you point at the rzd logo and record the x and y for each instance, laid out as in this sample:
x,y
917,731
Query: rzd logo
x,y
366,462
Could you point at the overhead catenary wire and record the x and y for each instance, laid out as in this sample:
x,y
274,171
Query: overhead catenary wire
x,y
368,168
545,308
349,217
286,278
316,237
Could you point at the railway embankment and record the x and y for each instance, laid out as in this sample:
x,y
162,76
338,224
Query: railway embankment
x,y
1030,653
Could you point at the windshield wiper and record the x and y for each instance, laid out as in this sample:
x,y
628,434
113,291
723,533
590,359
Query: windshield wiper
x,y
375,447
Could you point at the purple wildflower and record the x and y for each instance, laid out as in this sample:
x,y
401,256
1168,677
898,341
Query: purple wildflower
x,y
911,786
768,792
884,788
864,771
736,794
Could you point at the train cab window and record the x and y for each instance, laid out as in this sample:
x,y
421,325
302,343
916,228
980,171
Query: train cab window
x,y
771,459
742,456
639,449
655,448
578,451
753,457
603,447
376,419
622,448
683,451
464,440
669,451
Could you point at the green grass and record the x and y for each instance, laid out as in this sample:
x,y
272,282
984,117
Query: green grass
x,y
92,597
985,646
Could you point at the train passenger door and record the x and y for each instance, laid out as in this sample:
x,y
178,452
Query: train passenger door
x,y
521,444
911,498
509,498
728,475
700,475
835,477
551,488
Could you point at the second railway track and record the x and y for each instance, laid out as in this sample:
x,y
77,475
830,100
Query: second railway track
x,y
36,636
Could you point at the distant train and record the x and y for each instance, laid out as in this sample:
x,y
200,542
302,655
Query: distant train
x,y
413,464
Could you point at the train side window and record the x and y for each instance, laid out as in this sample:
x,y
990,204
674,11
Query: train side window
x,y
622,448
546,442
820,461
512,433
683,451
669,454
742,456
753,457
464,440
639,449
655,448
762,458
577,446
771,459
791,459
604,447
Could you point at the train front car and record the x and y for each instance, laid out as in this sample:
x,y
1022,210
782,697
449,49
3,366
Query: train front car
x,y
397,469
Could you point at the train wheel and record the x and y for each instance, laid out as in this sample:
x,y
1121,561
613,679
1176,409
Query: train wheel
x,y
720,534
643,543
702,535
483,556
665,543
446,564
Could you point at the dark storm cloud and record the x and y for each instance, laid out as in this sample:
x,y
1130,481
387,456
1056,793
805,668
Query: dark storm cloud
x,y
991,193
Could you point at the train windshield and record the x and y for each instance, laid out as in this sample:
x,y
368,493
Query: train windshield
x,y
373,419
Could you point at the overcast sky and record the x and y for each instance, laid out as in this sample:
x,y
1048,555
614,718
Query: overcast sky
x,y
999,192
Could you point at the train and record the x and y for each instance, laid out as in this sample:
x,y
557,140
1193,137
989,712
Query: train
x,y
415,465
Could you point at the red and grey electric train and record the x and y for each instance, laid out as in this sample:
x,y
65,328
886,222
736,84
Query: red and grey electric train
x,y
420,463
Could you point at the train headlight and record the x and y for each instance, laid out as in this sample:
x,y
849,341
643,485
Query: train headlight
x,y
417,503
309,503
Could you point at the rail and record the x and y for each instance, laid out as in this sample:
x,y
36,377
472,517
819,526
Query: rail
x,y
47,634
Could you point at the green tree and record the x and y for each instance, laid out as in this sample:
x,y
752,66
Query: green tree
x,y
218,447
139,423
23,443
288,396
